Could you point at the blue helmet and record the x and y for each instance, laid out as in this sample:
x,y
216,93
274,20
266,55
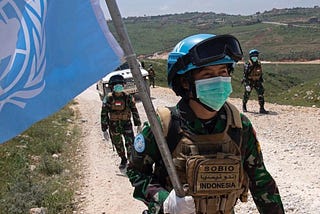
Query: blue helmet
x,y
116,79
183,48
254,52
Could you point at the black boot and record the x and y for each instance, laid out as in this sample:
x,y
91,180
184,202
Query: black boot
x,y
244,107
123,163
263,111
261,104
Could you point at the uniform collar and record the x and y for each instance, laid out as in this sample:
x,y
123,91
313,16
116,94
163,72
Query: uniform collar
x,y
188,115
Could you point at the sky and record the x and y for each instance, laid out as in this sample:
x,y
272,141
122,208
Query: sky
x,y
243,7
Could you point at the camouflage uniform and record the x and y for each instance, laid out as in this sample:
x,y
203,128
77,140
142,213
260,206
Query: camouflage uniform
x,y
116,115
252,77
152,185
151,76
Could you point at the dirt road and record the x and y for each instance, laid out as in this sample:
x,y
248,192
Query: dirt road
x,y
289,139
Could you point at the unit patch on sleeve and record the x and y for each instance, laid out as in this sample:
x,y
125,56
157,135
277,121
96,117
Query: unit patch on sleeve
x,y
139,143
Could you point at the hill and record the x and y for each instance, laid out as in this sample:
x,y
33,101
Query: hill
x,y
281,34
40,167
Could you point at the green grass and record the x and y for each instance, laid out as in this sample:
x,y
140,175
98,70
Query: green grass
x,y
302,42
286,84
52,181
30,176
284,81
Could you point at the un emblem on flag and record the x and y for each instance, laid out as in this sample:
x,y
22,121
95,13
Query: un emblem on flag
x,y
22,52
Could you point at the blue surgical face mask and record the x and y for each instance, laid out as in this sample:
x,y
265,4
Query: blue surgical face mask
x,y
118,88
254,59
213,92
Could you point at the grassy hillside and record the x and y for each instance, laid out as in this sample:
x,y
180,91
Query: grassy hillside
x,y
298,39
280,35
289,84
38,168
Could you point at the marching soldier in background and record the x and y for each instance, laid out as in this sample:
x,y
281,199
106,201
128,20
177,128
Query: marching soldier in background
x,y
214,148
151,76
252,79
116,113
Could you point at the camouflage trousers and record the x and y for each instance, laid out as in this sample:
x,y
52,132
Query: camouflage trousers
x,y
118,131
151,81
258,86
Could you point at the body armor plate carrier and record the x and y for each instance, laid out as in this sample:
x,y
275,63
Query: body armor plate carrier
x,y
119,108
210,165
256,71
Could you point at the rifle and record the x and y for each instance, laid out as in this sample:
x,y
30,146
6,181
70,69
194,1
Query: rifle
x,y
107,137
245,73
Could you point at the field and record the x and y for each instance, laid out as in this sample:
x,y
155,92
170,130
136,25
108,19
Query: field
x,y
287,34
286,84
39,168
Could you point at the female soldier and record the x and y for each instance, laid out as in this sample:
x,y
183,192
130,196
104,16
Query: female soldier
x,y
214,148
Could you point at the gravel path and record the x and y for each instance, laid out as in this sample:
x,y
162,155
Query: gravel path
x,y
289,138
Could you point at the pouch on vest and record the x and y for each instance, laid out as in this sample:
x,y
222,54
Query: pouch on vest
x,y
256,72
119,109
210,164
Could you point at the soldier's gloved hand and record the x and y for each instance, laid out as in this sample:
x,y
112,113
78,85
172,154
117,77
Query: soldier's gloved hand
x,y
139,129
176,205
106,135
248,88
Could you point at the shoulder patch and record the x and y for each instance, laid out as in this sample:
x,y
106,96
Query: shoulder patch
x,y
139,143
164,114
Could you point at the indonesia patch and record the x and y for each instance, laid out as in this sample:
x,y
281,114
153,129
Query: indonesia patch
x,y
118,103
139,143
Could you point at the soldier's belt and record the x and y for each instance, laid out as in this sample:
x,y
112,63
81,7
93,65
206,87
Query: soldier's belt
x,y
116,117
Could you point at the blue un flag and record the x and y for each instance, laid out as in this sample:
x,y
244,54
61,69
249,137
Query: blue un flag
x,y
51,50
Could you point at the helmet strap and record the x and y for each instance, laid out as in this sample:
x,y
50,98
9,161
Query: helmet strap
x,y
191,89
203,105
181,63
256,62
185,93
193,92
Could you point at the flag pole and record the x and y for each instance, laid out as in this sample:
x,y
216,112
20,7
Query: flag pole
x,y
145,98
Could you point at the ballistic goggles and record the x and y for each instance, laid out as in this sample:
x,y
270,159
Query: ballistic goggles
x,y
208,50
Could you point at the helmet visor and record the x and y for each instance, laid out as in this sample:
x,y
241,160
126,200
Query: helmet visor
x,y
208,51
216,48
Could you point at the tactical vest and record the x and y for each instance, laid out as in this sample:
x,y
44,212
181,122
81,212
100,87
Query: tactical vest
x,y
119,107
255,71
210,165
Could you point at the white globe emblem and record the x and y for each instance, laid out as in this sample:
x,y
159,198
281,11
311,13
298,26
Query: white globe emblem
x,y
139,143
22,58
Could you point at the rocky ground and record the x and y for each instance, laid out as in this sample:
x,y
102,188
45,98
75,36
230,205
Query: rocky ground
x,y
290,142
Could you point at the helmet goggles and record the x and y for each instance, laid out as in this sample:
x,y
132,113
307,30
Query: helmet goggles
x,y
215,48
209,50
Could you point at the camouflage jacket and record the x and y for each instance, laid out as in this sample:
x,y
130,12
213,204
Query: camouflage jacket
x,y
252,71
151,72
153,189
129,107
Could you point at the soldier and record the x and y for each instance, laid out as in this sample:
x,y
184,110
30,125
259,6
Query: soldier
x,y
214,147
252,79
152,75
116,113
